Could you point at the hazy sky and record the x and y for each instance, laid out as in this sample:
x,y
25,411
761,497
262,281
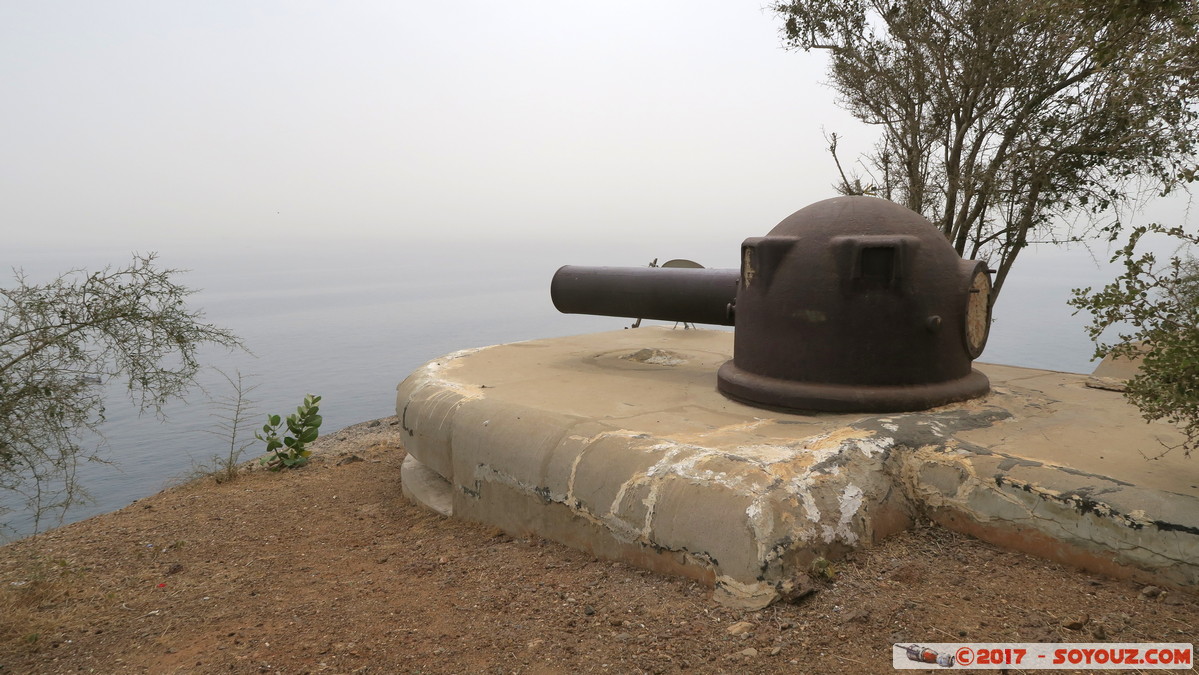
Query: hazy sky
x,y
142,122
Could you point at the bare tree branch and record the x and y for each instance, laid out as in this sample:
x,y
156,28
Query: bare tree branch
x,y
1003,119
61,340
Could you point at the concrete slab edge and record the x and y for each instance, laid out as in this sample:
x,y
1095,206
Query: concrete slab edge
x,y
964,494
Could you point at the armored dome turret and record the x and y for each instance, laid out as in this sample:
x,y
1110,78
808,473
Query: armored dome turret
x,y
857,304
853,304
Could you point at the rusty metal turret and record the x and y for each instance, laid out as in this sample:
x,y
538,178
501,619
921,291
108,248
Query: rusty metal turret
x,y
852,304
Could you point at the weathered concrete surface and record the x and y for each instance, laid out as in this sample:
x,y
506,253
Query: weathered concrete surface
x,y
619,443
424,486
1114,371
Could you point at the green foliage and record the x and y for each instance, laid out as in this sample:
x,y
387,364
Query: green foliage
x,y
1007,121
61,341
1153,307
289,452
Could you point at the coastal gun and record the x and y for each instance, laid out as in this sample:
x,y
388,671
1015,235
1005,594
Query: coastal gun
x,y
852,304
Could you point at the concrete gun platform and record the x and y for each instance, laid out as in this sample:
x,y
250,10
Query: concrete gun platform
x,y
618,443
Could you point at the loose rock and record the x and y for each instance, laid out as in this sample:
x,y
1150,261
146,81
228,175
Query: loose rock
x,y
1077,622
740,628
856,615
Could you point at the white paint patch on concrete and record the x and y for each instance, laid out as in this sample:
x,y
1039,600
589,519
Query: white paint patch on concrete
x,y
766,454
671,463
851,503
873,447
810,510
432,374
761,522
936,427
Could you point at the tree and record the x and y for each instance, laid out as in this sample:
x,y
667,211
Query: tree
x,y
59,342
1154,309
1003,120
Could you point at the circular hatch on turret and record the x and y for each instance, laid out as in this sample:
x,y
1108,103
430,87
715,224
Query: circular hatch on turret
x,y
978,312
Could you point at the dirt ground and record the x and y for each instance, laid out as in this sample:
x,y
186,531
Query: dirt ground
x,y
329,569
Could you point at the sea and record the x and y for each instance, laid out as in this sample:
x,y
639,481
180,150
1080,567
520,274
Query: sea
x,y
349,320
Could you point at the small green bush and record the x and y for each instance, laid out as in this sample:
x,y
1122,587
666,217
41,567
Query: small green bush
x,y
289,452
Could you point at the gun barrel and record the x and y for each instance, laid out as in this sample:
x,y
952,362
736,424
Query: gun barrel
x,y
661,293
